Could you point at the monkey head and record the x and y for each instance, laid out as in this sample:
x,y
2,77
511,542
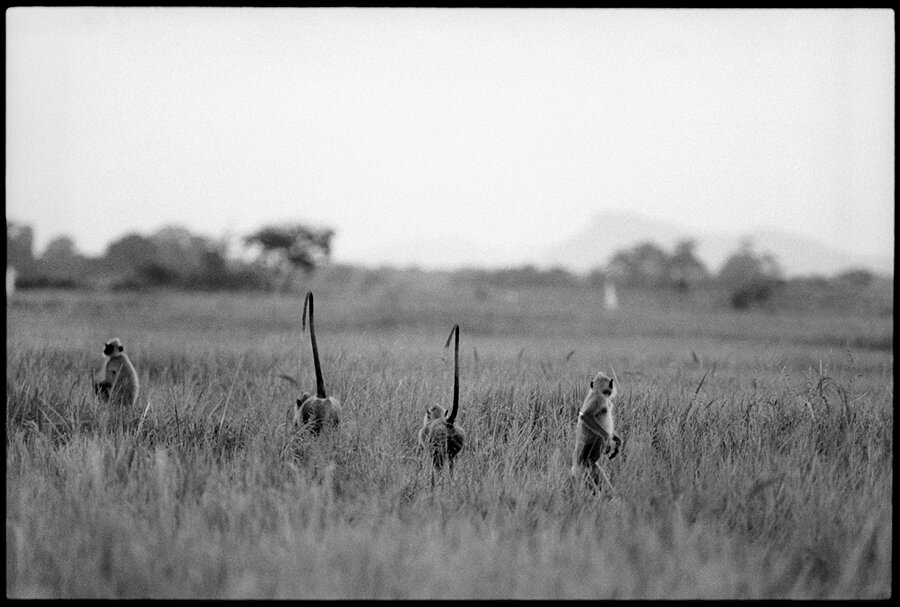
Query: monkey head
x,y
604,385
317,412
113,347
433,412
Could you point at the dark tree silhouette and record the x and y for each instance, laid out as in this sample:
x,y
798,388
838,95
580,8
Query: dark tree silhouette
x,y
750,278
644,264
132,254
296,246
685,270
61,263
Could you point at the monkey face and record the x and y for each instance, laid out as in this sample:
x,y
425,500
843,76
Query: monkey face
x,y
604,385
113,346
607,390
303,398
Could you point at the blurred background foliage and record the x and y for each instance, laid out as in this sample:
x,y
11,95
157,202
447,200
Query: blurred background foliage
x,y
288,258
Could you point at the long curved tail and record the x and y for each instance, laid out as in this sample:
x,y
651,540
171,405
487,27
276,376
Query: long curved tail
x,y
452,417
320,383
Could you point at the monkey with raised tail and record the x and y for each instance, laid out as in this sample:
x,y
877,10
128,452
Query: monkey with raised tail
x,y
320,410
439,435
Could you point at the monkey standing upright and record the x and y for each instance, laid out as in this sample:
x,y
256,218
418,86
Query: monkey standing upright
x,y
595,433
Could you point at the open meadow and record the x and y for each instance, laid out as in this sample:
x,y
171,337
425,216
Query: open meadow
x,y
757,459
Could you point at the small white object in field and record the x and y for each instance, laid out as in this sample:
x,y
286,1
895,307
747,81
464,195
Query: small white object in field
x,y
10,281
610,299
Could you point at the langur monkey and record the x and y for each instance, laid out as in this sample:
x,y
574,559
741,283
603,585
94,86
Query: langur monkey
x,y
119,385
439,435
595,433
319,410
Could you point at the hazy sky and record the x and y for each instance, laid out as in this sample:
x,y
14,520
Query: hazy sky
x,y
506,129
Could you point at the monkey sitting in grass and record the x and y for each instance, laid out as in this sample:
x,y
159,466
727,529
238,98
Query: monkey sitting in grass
x,y
119,385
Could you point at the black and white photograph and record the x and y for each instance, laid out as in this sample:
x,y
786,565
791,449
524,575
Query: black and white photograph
x,y
361,303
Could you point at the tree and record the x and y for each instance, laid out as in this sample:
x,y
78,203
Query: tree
x,y
60,261
130,252
644,264
857,278
292,246
750,278
135,259
61,248
19,247
685,269
174,257
180,253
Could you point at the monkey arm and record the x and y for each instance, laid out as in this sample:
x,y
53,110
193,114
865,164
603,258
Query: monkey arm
x,y
617,442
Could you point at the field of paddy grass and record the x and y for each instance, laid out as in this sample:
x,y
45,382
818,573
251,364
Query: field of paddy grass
x,y
774,479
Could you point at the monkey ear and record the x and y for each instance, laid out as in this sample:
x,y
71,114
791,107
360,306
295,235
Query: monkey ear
x,y
121,348
610,383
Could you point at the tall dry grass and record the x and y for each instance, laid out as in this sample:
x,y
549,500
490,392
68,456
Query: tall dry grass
x,y
772,479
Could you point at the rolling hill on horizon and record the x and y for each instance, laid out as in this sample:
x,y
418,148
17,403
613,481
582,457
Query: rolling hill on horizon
x,y
609,233
798,255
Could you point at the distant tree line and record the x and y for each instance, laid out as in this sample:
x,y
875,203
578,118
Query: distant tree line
x,y
646,264
282,257
171,257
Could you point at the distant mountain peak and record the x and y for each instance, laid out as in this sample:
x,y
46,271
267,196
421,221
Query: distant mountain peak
x,y
614,231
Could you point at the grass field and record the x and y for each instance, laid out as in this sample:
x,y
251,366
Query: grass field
x,y
772,479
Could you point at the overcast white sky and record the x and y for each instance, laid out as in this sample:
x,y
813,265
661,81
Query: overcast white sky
x,y
511,128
